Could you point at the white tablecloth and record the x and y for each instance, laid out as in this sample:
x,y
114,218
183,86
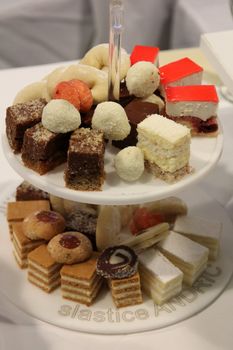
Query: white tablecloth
x,y
211,329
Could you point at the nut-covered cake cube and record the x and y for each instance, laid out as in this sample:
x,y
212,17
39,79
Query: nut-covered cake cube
x,y
43,150
85,163
19,118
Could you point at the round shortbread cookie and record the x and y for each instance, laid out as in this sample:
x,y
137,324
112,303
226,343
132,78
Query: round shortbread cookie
x,y
43,224
70,248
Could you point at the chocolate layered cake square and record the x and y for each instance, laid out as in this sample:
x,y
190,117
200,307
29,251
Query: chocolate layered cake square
x,y
19,118
43,150
85,162
136,111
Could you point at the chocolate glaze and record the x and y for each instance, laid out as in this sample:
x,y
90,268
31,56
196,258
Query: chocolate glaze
x,y
117,262
136,111
69,241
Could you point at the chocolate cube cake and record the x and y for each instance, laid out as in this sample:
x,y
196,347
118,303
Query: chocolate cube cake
x,y
43,150
136,112
19,118
85,163
27,192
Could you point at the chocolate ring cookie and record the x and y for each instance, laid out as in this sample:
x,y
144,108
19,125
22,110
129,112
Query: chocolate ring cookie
x,y
43,224
117,262
70,248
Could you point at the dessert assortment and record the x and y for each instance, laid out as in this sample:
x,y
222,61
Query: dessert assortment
x,y
67,118
153,249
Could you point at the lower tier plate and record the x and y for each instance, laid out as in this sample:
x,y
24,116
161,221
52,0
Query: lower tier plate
x,y
103,317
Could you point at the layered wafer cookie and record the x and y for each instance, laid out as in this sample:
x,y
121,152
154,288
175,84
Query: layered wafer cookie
x,y
43,271
22,245
190,257
19,210
79,282
119,265
200,230
148,238
126,291
160,279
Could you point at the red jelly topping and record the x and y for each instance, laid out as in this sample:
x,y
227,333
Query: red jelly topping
x,y
205,93
69,241
177,70
47,216
144,53
143,219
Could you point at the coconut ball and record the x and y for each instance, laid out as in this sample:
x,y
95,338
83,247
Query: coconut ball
x,y
142,79
129,163
60,116
110,117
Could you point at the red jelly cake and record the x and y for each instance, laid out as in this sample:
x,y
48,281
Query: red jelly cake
x,y
145,53
195,106
180,72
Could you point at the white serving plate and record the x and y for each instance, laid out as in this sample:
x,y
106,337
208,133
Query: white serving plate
x,y
103,317
205,153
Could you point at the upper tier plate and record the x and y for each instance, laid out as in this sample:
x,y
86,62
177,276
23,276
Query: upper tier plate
x,y
205,153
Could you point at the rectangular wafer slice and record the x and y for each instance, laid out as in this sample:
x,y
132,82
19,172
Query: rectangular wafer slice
x,y
126,291
166,147
148,238
190,257
203,231
43,271
160,279
19,210
22,245
80,282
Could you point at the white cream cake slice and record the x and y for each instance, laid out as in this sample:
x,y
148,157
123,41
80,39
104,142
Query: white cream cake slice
x,y
166,146
160,279
189,256
201,230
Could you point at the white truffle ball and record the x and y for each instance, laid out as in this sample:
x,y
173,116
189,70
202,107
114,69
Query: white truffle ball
x,y
60,116
110,117
129,163
142,79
